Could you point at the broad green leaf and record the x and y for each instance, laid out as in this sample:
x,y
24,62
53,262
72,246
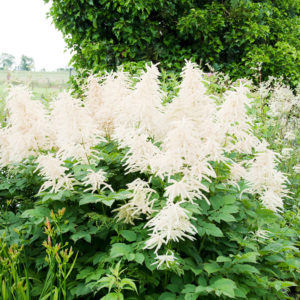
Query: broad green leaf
x,y
244,268
189,288
224,286
113,296
37,212
95,198
211,229
120,249
167,296
247,257
212,267
84,273
223,259
139,258
81,235
129,235
191,296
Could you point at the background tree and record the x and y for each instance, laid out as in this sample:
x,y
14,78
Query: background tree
x,y
27,63
231,35
6,61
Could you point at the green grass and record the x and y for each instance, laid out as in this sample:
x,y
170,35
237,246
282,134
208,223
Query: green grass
x,y
44,85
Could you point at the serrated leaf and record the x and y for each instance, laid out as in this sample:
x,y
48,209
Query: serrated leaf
x,y
129,282
247,257
139,258
129,235
224,286
211,267
167,296
37,212
95,198
189,288
244,268
113,296
211,229
120,249
81,235
223,259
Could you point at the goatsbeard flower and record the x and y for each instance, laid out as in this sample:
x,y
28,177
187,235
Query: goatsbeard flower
x,y
297,169
167,259
172,223
96,179
139,202
263,178
54,173
27,127
75,130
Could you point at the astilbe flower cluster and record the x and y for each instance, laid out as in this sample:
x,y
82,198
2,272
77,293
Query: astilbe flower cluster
x,y
284,106
176,142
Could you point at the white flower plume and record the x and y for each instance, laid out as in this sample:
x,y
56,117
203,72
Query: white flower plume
x,y
171,223
54,173
28,129
96,179
139,202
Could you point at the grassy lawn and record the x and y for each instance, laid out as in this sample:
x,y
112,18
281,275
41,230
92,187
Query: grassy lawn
x,y
44,85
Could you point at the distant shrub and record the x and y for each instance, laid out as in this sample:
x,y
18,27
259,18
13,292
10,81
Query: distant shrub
x,y
233,35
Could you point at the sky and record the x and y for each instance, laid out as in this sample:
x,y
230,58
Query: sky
x,y
25,29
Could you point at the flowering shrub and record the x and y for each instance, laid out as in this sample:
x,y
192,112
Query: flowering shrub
x,y
180,188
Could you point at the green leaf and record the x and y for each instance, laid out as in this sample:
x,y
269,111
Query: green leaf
x,y
211,229
191,296
129,282
95,198
84,273
129,235
241,292
244,268
189,288
39,214
167,296
81,235
139,258
223,259
224,286
113,296
247,257
120,249
212,267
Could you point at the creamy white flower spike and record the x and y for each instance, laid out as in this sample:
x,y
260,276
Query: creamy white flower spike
x,y
264,179
139,203
28,129
172,223
235,121
297,169
54,173
104,99
96,179
167,259
76,133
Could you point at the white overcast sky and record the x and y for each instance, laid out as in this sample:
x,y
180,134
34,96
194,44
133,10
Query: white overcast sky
x,y
25,29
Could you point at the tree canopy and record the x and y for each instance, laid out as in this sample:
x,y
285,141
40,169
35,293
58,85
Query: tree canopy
x,y
6,61
27,63
231,35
